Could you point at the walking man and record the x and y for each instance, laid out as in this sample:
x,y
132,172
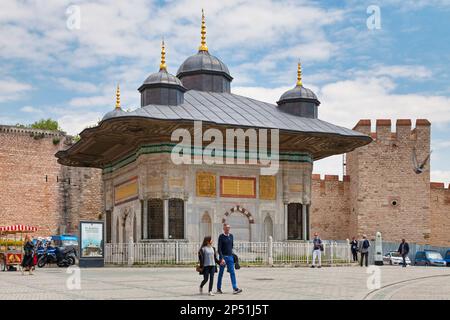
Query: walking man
x,y
364,249
317,250
354,249
225,248
403,249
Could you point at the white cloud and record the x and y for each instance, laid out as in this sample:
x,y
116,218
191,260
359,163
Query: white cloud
x,y
345,102
330,165
74,122
438,145
412,72
30,109
440,176
132,29
11,89
93,101
77,86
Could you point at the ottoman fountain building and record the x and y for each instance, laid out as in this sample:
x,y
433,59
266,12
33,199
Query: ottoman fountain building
x,y
147,196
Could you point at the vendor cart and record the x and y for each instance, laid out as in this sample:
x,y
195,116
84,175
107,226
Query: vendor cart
x,y
11,245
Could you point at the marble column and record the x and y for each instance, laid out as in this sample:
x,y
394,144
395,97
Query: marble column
x,y
145,220
304,223
166,218
285,206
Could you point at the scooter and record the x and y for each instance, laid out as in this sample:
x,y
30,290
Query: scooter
x,y
63,257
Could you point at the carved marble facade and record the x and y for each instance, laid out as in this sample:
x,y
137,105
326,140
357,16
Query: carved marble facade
x,y
188,202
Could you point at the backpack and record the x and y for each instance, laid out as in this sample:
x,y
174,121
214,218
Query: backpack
x,y
366,244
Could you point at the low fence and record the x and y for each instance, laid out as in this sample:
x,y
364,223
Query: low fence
x,y
249,253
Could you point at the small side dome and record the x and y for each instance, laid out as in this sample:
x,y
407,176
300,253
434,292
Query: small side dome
x,y
162,78
299,101
162,87
203,71
117,112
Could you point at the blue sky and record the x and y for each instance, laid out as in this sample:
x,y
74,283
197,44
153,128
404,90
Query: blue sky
x,y
398,71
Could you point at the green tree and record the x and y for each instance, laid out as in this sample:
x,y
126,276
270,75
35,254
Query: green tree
x,y
46,124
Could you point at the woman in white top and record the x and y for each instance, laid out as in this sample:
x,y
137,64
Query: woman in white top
x,y
208,260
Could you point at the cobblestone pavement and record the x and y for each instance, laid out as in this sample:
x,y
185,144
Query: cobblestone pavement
x,y
257,283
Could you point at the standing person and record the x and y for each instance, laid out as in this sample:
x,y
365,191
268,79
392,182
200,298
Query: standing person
x,y
403,249
208,263
225,248
27,261
354,249
317,250
364,249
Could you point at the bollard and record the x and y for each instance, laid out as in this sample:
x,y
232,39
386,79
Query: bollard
x,y
130,251
270,251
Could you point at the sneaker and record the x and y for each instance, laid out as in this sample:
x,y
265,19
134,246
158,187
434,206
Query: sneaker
x,y
211,293
236,291
219,291
201,290
313,266
319,267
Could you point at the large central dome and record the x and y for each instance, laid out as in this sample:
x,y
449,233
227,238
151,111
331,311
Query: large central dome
x,y
203,71
203,62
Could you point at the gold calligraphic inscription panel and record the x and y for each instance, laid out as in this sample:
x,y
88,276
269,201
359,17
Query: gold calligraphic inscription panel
x,y
267,187
238,187
206,184
126,191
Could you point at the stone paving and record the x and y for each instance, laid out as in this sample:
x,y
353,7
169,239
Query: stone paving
x,y
257,283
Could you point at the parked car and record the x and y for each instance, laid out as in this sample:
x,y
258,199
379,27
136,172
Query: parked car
x,y
429,258
447,258
395,258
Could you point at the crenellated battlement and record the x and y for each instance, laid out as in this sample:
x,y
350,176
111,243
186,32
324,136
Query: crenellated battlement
x,y
439,186
330,184
403,129
330,177
31,131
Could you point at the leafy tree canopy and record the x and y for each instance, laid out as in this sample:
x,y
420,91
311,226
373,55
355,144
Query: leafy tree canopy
x,y
43,124
46,124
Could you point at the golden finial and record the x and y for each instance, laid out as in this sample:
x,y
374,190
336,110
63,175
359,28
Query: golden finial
x,y
118,97
299,74
163,65
203,46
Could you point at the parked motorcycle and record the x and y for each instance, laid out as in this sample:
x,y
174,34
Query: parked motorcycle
x,y
62,256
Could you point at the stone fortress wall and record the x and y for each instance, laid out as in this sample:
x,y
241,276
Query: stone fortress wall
x,y
35,190
379,193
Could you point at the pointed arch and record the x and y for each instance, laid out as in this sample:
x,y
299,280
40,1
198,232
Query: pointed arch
x,y
268,228
240,220
205,225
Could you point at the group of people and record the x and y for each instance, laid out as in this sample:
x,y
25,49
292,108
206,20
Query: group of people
x,y
210,258
362,247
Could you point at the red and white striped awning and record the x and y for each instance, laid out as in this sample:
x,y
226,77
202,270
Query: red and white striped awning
x,y
17,228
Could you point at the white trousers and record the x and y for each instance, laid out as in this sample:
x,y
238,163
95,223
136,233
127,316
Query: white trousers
x,y
317,254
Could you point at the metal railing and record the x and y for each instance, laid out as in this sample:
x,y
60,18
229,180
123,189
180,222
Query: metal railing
x,y
249,253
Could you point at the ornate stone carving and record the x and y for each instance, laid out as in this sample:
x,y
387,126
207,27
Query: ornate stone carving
x,y
238,187
267,187
206,184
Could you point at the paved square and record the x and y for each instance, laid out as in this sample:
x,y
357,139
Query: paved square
x,y
257,283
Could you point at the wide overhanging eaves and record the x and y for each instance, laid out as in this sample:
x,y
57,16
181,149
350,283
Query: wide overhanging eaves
x,y
116,138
